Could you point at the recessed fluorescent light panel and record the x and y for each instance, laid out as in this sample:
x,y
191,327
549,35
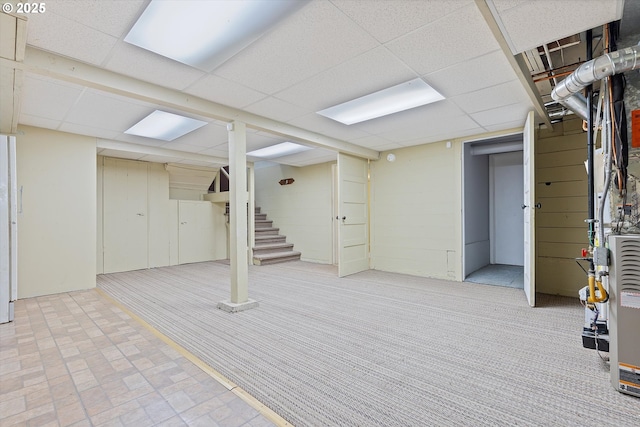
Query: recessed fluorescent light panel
x,y
205,34
278,150
404,96
164,126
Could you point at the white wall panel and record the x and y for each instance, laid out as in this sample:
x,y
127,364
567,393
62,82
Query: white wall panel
x,y
415,211
158,222
476,211
57,240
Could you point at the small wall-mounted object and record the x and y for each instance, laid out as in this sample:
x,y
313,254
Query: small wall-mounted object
x,y
635,129
391,157
286,181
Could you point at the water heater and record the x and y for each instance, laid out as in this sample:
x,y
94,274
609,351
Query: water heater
x,y
624,313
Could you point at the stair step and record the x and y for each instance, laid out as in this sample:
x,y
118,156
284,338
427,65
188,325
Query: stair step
x,y
263,223
260,216
256,210
269,238
276,257
269,248
266,230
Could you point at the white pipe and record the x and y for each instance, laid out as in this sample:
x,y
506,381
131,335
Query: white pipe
x,y
620,61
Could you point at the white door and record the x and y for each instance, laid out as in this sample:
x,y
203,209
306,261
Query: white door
x,y
353,174
8,228
125,216
196,234
528,206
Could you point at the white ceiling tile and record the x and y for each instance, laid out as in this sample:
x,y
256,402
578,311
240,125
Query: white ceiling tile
x,y
474,74
445,136
46,99
387,20
371,141
223,91
316,155
216,152
148,66
58,34
344,82
179,146
419,119
87,130
263,139
430,132
208,136
455,38
134,139
502,5
388,146
319,124
517,124
493,97
27,119
534,23
95,109
500,115
276,109
114,17
316,38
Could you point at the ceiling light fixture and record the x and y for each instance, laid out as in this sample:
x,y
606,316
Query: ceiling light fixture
x,y
278,150
164,126
404,96
205,34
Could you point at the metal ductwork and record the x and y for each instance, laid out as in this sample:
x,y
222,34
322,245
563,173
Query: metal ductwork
x,y
567,92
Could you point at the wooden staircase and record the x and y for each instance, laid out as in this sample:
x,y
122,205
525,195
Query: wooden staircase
x,y
270,247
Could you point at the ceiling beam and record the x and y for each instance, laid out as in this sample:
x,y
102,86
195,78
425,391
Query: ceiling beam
x,y
158,151
517,63
13,42
47,64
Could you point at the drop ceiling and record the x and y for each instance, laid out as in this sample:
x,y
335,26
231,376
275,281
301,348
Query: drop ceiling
x,y
326,53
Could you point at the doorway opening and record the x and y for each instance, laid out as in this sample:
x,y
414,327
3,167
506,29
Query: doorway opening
x,y
493,221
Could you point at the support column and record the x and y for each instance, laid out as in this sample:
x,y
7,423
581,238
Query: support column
x,y
252,210
238,200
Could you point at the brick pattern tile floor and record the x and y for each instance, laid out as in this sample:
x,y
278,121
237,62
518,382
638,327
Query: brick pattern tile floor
x,y
75,359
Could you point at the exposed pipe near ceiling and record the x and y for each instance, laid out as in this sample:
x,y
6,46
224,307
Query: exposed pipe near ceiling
x,y
548,55
567,91
590,145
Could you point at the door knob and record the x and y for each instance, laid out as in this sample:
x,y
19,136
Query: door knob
x,y
538,205
524,206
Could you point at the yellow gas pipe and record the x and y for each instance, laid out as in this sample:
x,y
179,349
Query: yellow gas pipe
x,y
604,296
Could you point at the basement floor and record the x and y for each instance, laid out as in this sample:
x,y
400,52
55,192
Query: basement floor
x,y
500,275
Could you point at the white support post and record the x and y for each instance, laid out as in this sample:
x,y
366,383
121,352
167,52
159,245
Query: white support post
x,y
238,200
252,211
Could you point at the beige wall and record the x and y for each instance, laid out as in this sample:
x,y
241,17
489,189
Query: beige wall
x,y
161,220
185,194
561,188
57,218
302,210
415,211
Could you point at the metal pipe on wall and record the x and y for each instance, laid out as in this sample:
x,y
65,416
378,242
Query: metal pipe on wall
x,y
590,178
566,92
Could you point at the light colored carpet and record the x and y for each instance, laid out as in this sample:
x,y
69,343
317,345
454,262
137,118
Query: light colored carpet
x,y
383,349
